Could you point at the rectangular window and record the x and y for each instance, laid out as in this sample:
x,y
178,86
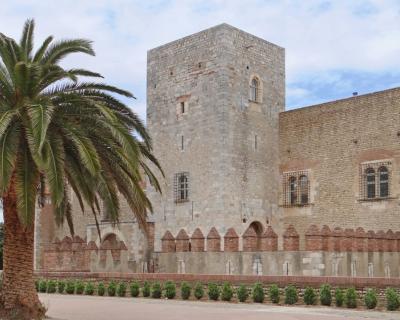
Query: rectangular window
x,y
296,188
181,187
182,143
182,107
375,180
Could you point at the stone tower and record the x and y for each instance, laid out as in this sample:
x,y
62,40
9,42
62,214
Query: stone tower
x,y
213,103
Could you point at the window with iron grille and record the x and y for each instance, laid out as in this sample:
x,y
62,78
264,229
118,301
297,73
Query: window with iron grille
x,y
296,188
181,187
375,180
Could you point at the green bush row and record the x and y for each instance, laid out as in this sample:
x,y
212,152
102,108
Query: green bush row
x,y
348,297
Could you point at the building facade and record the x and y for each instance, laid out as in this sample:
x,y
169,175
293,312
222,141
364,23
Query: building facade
x,y
250,188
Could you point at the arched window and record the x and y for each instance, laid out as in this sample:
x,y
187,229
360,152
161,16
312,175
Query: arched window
x,y
383,182
254,90
293,190
370,182
303,184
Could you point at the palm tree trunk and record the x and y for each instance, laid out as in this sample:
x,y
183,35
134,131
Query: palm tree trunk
x,y
18,292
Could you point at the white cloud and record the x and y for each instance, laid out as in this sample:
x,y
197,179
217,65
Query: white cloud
x,y
319,36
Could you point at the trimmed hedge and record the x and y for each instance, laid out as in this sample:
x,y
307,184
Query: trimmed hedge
x,y
227,292
325,295
185,290
350,298
258,293
370,299
347,297
339,297
310,296
134,289
199,291
170,290
291,296
213,291
242,293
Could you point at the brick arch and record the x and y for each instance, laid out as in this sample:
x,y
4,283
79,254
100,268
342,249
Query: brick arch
x,y
252,237
107,231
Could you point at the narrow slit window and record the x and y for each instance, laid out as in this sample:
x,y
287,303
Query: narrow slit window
x,y
182,143
182,107
255,142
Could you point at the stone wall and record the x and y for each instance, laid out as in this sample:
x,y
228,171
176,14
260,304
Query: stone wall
x,y
332,140
227,144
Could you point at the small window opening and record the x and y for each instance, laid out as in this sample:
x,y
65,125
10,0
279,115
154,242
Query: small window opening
x,y
182,107
182,143
255,142
254,90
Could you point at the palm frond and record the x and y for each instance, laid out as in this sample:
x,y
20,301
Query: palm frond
x,y
26,42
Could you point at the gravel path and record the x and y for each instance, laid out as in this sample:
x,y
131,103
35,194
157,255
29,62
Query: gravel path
x,y
63,307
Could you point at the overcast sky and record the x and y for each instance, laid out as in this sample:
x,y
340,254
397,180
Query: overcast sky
x,y
333,48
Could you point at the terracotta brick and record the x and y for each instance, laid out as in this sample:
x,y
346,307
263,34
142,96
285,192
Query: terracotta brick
x,y
336,239
231,241
213,241
168,242
269,240
250,240
314,239
182,241
326,235
380,240
197,241
360,240
372,243
291,239
348,240
391,242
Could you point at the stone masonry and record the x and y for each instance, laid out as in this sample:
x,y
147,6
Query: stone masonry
x,y
249,188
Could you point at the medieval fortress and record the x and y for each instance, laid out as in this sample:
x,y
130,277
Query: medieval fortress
x,y
249,188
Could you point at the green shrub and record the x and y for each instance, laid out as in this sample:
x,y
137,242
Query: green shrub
x,y
134,289
60,286
351,298
242,293
80,287
370,299
101,289
198,291
121,289
325,295
146,289
291,296
156,290
258,293
70,287
339,297
170,290
392,299
111,289
43,286
185,290
51,286
213,291
227,292
89,289
274,293
310,297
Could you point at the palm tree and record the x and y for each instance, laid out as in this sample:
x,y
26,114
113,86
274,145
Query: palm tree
x,y
57,134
